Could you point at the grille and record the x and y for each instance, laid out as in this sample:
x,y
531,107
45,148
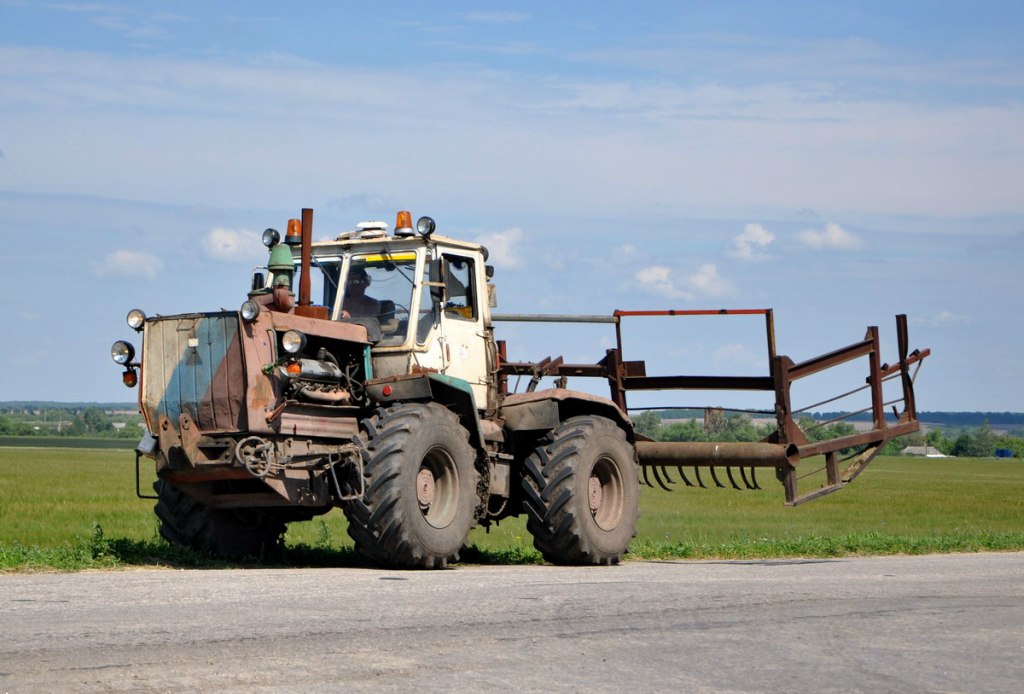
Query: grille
x,y
193,364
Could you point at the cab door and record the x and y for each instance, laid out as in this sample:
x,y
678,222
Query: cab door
x,y
462,337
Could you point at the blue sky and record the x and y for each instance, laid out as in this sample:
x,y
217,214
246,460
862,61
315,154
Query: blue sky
x,y
840,162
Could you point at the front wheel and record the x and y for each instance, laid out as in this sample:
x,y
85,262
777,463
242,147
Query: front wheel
x,y
225,533
421,487
581,493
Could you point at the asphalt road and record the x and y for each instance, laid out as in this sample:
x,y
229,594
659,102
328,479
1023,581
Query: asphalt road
x,y
936,623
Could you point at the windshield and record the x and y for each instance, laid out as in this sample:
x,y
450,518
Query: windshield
x,y
380,286
324,273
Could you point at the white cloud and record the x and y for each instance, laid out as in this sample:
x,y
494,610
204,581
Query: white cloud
x,y
706,281
129,264
751,244
622,144
504,247
833,237
231,244
657,280
943,319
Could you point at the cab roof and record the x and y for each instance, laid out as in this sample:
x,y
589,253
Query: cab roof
x,y
349,242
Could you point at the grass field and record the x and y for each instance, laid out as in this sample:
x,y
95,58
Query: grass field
x,y
67,509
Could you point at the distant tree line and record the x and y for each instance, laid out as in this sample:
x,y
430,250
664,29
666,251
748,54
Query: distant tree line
x,y
970,443
91,421
945,419
38,406
717,425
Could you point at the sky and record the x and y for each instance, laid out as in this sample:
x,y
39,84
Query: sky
x,y
839,162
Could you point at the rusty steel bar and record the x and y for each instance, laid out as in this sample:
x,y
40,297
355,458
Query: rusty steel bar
x,y
788,431
307,250
867,437
616,383
698,312
913,358
875,379
698,383
834,358
705,454
903,343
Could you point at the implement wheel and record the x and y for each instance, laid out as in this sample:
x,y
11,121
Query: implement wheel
x,y
421,487
227,533
581,493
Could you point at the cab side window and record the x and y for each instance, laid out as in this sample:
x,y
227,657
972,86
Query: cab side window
x,y
460,299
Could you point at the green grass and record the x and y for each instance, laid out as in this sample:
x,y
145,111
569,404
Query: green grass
x,y
69,509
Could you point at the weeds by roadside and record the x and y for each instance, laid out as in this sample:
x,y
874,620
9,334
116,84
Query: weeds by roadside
x,y
101,552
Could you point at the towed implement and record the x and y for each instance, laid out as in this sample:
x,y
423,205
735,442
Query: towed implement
x,y
389,398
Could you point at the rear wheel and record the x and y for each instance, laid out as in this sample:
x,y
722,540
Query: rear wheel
x,y
581,493
421,487
226,533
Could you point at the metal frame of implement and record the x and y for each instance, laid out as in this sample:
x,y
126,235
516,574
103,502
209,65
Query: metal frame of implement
x,y
786,447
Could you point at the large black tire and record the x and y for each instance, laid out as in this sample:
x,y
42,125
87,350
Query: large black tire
x,y
225,533
581,493
421,487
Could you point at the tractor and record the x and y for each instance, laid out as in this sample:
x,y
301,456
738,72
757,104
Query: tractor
x,y
388,396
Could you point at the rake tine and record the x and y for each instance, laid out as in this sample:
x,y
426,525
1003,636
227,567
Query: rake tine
x,y
658,478
664,472
696,471
743,474
732,480
646,480
753,476
714,476
683,475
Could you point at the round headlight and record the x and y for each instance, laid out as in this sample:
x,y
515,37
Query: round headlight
x,y
293,341
425,226
250,309
122,352
271,237
136,318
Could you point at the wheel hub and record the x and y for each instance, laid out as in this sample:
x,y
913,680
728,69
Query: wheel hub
x,y
595,492
606,492
425,487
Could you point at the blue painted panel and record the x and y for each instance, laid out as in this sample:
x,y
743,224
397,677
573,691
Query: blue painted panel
x,y
189,384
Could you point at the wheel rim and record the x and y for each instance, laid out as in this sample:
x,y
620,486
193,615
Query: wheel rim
x,y
437,488
606,494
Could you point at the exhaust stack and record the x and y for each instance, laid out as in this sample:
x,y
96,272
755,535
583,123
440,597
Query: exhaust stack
x,y
305,307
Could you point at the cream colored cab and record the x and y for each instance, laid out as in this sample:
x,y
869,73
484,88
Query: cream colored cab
x,y
429,298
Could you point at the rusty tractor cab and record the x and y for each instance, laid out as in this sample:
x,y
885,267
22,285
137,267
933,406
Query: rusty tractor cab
x,y
380,389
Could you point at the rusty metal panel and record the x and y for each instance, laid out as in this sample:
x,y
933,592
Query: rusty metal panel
x,y
192,364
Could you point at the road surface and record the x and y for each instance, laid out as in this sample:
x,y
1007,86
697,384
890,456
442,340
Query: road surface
x,y
934,623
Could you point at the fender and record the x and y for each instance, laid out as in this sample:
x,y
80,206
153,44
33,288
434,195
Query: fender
x,y
543,410
454,393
